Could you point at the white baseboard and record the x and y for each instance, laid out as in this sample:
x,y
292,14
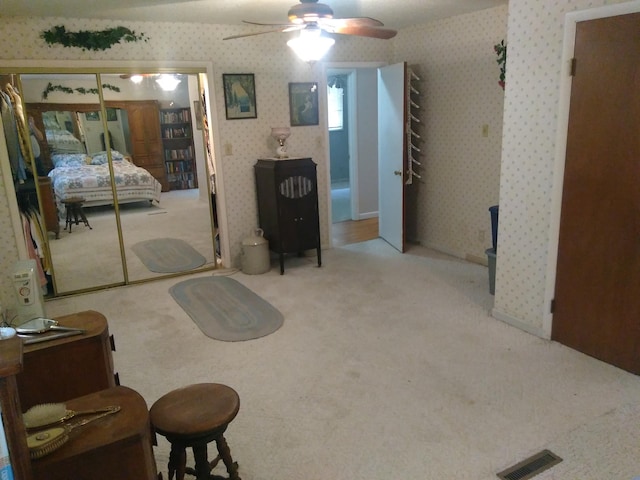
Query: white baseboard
x,y
514,322
366,215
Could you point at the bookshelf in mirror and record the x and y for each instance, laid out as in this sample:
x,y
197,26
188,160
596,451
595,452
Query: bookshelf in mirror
x,y
177,141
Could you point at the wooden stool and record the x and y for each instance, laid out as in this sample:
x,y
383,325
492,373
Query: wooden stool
x,y
194,416
73,207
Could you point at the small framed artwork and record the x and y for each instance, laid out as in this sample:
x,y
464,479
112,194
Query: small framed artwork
x,y
303,104
197,112
92,116
239,95
112,115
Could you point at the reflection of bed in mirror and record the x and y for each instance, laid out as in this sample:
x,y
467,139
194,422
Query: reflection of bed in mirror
x,y
76,128
77,175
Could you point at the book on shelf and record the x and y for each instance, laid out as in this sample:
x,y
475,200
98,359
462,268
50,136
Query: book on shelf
x,y
176,116
176,132
179,153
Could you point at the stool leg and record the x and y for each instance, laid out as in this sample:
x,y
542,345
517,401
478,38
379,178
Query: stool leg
x,y
75,215
177,462
202,467
68,221
225,453
84,218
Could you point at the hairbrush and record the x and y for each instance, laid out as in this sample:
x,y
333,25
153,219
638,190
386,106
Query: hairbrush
x,y
46,414
44,442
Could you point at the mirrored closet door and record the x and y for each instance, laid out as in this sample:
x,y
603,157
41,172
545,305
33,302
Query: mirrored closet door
x,y
121,160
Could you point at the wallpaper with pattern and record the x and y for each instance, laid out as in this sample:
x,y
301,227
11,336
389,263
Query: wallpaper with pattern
x,y
459,93
267,57
535,38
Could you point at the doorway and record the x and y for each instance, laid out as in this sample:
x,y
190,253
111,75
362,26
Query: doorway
x,y
353,157
340,142
598,266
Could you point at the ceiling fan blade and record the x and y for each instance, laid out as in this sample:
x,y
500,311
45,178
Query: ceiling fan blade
x,y
352,22
268,24
363,31
242,35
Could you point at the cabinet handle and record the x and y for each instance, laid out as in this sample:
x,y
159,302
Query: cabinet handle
x,y
397,172
113,343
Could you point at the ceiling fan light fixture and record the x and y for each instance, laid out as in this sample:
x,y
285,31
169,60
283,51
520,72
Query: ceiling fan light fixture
x,y
311,45
167,82
309,11
137,79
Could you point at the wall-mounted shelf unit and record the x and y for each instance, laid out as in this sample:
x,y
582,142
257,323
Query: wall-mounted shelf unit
x,y
179,154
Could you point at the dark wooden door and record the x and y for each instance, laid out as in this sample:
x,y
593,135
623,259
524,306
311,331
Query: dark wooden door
x,y
597,294
146,139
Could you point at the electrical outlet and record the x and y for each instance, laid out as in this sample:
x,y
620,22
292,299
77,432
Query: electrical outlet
x,y
228,149
485,130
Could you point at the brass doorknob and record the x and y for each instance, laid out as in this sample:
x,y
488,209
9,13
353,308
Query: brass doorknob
x,y
397,172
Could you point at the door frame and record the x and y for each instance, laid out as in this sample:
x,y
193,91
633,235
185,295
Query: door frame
x,y
564,100
353,132
352,139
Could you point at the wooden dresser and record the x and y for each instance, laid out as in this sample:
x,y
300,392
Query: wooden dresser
x,y
50,212
65,368
77,371
118,446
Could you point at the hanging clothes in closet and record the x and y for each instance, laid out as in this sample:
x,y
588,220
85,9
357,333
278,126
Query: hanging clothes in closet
x,y
16,138
12,136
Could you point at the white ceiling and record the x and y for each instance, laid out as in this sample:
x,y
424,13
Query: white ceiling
x,y
393,13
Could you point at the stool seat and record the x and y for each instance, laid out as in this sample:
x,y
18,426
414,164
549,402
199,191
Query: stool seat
x,y
192,417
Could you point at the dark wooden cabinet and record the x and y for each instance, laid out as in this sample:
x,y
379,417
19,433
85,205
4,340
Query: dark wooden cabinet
x,y
50,212
287,193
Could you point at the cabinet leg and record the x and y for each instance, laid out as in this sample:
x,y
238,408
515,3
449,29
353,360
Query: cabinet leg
x,y
318,250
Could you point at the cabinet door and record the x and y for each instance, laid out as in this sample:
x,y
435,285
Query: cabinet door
x,y
298,211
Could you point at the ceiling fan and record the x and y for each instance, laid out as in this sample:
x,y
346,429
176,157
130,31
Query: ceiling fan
x,y
312,15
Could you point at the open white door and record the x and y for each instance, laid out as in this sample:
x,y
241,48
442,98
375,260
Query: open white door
x,y
392,153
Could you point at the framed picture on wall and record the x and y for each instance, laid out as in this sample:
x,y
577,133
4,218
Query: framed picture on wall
x,y
239,95
303,104
112,115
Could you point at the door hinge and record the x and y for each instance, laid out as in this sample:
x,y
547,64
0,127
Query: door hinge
x,y
552,309
574,63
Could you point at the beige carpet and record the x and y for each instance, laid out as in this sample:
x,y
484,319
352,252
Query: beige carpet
x,y
388,367
84,257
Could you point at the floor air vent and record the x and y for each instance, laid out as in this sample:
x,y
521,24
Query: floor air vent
x,y
530,467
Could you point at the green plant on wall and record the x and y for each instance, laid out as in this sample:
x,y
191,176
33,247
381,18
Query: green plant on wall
x,y
501,51
90,40
84,91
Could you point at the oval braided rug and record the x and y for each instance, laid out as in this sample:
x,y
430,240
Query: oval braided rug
x,y
225,309
168,255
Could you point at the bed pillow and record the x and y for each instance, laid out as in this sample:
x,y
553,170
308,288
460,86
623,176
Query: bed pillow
x,y
100,158
61,160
